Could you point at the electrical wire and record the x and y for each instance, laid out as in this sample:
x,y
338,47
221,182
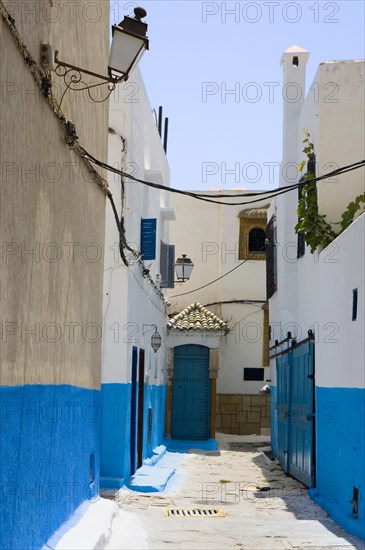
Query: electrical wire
x,y
251,257
256,303
210,197
248,302
269,194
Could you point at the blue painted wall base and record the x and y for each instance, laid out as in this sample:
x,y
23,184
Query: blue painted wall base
x,y
340,452
49,459
340,455
116,430
115,435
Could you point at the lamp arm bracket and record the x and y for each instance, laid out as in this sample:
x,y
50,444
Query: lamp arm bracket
x,y
148,330
110,79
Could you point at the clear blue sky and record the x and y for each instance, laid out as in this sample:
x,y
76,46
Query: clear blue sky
x,y
198,47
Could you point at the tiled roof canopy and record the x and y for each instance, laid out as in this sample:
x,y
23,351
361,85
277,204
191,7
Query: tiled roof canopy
x,y
197,317
254,213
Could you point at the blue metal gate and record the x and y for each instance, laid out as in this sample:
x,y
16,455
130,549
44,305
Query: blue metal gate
x,y
190,407
283,366
295,405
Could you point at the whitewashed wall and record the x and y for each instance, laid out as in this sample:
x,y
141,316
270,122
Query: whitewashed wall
x,y
316,291
340,353
131,300
209,235
331,121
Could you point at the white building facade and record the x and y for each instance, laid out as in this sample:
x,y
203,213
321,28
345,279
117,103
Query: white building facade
x,y
217,239
317,299
133,373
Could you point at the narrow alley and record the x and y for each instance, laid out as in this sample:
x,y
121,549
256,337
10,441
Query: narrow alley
x,y
259,507
182,224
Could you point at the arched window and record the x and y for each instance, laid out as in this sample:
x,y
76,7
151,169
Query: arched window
x,y
256,240
252,234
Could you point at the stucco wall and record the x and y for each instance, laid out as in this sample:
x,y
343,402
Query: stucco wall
x,y
51,269
50,205
341,134
133,306
340,355
316,291
130,300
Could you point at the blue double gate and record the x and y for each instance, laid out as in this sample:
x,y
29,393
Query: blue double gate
x,y
190,407
295,406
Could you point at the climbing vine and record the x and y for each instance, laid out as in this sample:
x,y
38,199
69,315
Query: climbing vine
x,y
316,230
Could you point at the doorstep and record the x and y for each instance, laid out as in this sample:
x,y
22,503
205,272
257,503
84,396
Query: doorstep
x,y
154,479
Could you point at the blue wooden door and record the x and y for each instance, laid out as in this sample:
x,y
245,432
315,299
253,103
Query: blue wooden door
x,y
283,370
295,405
301,414
134,403
190,407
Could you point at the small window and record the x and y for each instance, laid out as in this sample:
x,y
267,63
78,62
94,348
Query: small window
x,y
253,374
354,304
256,240
252,234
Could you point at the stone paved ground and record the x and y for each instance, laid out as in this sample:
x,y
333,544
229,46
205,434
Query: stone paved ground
x,y
279,517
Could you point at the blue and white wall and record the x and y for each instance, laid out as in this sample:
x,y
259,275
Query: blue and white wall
x,y
316,291
52,234
133,303
340,382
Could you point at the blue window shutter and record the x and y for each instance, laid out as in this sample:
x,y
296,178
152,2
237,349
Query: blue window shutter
x,y
167,265
170,265
148,238
163,265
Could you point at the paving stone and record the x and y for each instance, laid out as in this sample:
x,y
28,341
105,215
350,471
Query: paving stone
x,y
283,518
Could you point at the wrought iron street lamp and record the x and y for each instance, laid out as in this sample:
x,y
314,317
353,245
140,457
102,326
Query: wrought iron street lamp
x,y
183,268
129,43
155,338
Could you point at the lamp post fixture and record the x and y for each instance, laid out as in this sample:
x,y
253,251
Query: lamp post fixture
x,y
129,43
183,268
155,338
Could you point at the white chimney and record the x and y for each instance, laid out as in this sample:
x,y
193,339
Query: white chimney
x,y
294,61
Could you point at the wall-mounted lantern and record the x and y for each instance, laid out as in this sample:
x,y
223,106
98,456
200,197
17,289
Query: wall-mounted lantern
x,y
183,268
129,43
155,338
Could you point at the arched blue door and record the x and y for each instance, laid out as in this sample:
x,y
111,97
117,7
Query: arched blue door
x,y
190,407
